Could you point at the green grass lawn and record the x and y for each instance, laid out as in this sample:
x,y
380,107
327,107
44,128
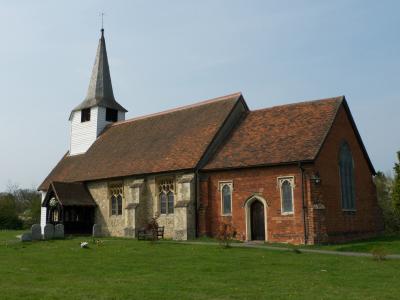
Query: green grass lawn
x,y
390,244
127,269
9,235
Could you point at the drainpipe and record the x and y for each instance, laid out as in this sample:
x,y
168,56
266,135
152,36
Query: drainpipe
x,y
304,204
197,192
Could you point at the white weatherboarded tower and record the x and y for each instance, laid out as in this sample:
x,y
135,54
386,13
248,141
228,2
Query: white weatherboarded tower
x,y
98,109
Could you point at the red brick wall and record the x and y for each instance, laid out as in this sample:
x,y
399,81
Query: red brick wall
x,y
324,217
247,182
340,225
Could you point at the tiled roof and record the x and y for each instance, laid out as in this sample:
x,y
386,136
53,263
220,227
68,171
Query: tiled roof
x,y
70,194
276,135
167,141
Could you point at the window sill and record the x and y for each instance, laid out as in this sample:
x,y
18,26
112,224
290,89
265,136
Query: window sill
x,y
226,215
349,211
287,213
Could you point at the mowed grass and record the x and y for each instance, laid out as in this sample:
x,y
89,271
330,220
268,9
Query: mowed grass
x,y
127,269
391,244
9,235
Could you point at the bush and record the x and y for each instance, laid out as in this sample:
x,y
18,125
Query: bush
x,y
153,228
8,215
31,215
379,253
396,185
391,216
19,208
226,234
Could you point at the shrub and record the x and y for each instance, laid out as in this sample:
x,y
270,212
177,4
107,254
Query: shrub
x,y
391,216
8,215
226,234
153,227
295,249
379,253
19,208
396,185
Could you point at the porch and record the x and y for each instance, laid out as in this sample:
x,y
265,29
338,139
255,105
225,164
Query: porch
x,y
72,205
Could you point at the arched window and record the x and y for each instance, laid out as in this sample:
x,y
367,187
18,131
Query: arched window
x,y
114,209
286,187
167,196
119,204
227,199
170,202
55,215
116,192
163,203
346,172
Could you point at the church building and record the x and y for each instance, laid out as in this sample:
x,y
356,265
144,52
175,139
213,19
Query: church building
x,y
296,173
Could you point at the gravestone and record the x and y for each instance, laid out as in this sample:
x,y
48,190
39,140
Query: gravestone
x,y
48,232
96,230
59,231
36,232
26,237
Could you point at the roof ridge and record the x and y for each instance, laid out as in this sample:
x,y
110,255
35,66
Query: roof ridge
x,y
337,98
179,108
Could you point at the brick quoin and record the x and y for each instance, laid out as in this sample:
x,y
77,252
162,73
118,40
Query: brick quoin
x,y
322,218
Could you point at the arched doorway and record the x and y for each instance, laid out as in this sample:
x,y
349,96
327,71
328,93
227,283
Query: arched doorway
x,y
256,218
257,221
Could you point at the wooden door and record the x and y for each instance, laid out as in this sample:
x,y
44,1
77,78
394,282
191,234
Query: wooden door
x,y
257,221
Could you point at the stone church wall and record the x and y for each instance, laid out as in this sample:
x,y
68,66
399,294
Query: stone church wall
x,y
141,202
111,225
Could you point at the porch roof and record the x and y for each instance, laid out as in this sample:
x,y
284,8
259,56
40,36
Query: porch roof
x,y
69,194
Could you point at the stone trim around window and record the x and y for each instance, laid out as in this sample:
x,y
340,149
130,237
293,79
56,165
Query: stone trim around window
x,y
281,181
226,211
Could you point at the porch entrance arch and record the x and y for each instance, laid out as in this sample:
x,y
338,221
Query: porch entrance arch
x,y
256,218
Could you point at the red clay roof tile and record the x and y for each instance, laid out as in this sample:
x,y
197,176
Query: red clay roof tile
x,y
167,141
281,134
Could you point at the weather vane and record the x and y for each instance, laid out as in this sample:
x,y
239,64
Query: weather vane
x,y
102,20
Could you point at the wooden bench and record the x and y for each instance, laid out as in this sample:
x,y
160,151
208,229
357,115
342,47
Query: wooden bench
x,y
144,234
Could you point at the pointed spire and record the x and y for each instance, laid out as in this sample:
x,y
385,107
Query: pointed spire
x,y
100,92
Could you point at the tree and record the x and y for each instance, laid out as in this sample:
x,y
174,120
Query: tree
x,y
19,207
396,184
8,214
384,189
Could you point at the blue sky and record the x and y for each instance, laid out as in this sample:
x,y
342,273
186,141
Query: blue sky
x,y
165,54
